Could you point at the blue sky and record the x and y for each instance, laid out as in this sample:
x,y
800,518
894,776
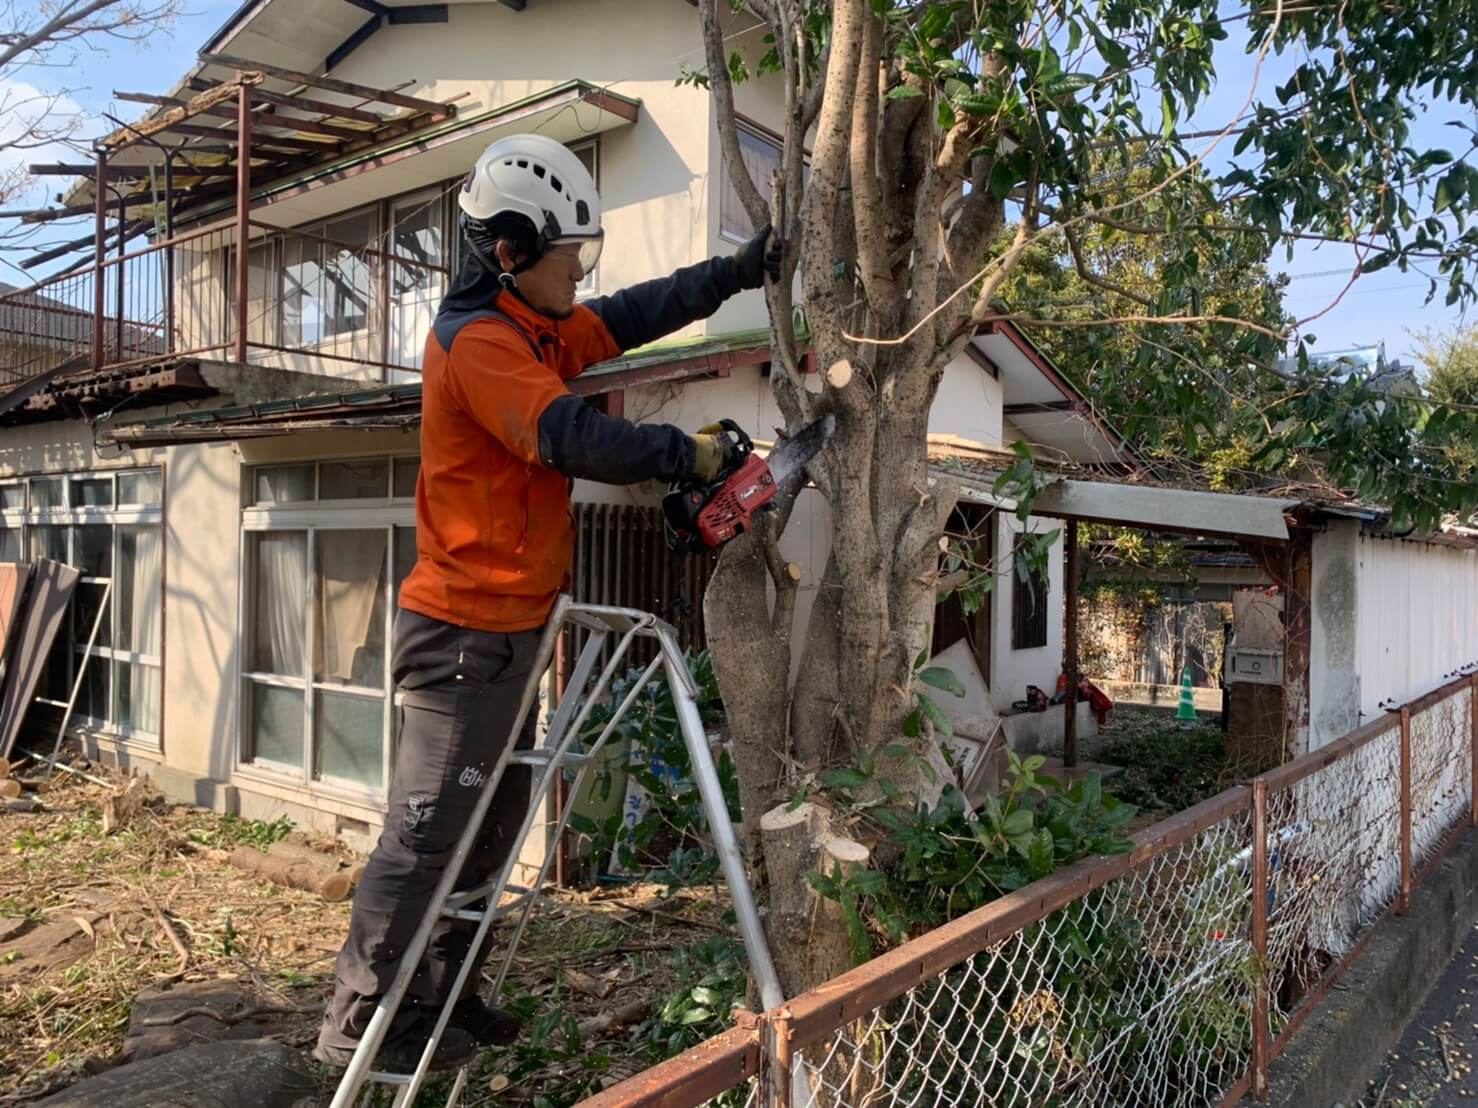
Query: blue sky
x,y
1385,306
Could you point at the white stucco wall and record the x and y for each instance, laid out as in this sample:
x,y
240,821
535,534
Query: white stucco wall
x,y
654,174
1418,617
968,404
1012,670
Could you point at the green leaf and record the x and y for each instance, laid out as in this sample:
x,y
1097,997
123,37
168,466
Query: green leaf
x,y
584,825
1450,188
1003,178
823,885
1379,262
1039,854
1112,52
940,720
938,677
1018,822
846,778
913,724
904,92
868,882
696,1015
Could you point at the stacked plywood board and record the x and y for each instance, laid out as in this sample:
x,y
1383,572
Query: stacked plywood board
x,y
33,607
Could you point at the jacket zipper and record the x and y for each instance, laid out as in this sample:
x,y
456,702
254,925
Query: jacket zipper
x,y
523,537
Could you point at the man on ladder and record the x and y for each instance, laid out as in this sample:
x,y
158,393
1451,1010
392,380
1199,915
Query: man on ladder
x,y
501,437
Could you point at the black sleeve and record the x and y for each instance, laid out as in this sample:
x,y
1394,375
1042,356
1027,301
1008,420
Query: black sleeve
x,y
579,441
644,313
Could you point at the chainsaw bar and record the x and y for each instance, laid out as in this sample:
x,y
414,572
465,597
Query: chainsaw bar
x,y
790,455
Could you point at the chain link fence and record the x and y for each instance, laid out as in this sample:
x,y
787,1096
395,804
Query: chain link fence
x,y
1168,977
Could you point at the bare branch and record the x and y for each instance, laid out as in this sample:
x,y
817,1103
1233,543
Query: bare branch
x,y
1091,278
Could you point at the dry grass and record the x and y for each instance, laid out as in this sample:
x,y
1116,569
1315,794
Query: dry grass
x,y
64,1016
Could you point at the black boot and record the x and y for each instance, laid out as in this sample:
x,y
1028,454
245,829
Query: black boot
x,y
490,1026
401,1054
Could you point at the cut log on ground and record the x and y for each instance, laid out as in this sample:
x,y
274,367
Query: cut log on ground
x,y
9,788
297,852
22,804
328,884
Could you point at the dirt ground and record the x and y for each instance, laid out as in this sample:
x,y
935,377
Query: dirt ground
x,y
88,919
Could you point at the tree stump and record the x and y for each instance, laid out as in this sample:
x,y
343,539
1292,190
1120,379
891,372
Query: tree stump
x,y
808,933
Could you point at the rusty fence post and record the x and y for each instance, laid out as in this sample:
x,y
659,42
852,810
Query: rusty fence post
x,y
1262,975
779,1032
1473,748
1403,903
100,225
243,216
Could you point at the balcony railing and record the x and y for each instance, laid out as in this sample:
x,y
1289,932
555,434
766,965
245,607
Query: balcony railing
x,y
308,303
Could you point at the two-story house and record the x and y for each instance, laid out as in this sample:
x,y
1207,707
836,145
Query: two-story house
x,y
227,446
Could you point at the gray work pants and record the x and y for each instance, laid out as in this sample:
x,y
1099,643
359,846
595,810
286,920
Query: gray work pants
x,y
461,690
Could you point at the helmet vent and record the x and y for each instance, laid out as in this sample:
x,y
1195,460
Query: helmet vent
x,y
522,164
538,171
582,213
554,181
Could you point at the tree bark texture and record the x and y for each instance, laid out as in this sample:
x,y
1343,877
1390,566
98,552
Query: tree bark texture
x,y
881,234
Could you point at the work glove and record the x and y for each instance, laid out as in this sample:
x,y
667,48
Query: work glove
x,y
758,257
712,452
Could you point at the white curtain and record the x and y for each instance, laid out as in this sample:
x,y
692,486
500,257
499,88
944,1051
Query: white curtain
x,y
351,568
139,582
282,600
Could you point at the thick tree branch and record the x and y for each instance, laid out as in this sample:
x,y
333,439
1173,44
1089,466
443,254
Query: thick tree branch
x,y
867,200
722,88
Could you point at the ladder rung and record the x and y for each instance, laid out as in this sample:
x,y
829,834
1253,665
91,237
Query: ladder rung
x,y
544,755
388,1078
467,896
474,915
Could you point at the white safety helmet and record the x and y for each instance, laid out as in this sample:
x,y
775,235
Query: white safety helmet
x,y
542,181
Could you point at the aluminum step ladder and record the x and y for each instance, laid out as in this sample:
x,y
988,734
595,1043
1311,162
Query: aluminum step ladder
x,y
559,750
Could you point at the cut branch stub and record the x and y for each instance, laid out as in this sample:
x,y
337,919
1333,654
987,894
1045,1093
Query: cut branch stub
x,y
839,376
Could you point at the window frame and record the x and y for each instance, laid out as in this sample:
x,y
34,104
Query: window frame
x,y
750,128
589,286
70,518
312,516
1031,600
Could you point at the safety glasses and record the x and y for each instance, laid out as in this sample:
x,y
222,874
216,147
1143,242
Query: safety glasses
x,y
587,248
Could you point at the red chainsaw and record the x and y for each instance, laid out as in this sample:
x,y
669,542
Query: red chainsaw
x,y
704,515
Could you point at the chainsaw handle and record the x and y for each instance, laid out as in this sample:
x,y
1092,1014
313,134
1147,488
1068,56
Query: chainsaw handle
x,y
743,445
